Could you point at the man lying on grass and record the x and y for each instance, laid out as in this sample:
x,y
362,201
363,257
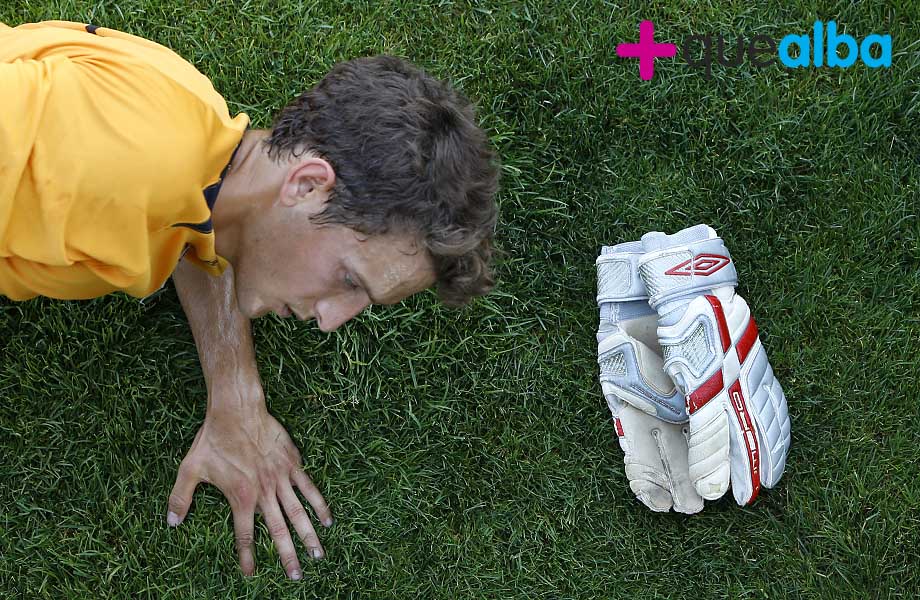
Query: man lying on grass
x,y
121,166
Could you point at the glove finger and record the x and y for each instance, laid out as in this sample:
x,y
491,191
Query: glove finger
x,y
745,468
747,445
686,499
778,450
759,446
651,494
674,452
644,469
656,462
708,453
771,420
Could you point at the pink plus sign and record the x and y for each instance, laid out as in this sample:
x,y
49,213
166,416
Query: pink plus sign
x,y
646,50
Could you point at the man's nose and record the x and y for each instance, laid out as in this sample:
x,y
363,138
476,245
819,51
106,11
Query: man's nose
x,y
331,315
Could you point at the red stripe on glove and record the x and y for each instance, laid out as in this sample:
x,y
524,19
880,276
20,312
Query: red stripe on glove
x,y
705,392
747,340
720,320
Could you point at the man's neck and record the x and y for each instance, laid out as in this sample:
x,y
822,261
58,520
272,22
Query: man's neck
x,y
252,181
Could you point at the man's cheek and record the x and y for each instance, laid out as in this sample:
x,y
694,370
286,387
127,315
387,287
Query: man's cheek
x,y
396,273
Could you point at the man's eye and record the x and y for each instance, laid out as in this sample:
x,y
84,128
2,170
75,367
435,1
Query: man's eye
x,y
349,282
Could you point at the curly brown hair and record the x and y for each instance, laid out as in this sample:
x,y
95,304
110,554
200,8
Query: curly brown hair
x,y
408,157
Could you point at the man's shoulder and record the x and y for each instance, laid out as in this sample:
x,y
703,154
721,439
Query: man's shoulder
x,y
109,55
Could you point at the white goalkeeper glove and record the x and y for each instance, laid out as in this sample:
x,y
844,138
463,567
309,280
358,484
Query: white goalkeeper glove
x,y
649,413
739,423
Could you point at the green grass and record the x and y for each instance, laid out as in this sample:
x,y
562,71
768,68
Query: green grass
x,y
469,454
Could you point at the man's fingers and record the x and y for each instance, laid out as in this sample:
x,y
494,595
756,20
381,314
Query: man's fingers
x,y
278,529
243,531
311,493
180,498
297,515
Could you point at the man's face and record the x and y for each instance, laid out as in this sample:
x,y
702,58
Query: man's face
x,y
291,266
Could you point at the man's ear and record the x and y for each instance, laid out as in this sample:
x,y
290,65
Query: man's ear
x,y
306,177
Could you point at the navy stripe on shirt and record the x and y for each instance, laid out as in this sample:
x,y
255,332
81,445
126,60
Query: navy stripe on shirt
x,y
210,196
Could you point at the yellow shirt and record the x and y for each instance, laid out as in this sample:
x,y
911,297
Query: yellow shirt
x,y
112,149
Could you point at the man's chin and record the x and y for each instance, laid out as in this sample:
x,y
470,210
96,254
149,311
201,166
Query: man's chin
x,y
251,308
257,312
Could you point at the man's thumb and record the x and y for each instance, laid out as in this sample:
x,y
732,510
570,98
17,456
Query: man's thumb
x,y
180,499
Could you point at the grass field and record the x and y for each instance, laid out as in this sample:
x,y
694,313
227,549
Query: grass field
x,y
469,454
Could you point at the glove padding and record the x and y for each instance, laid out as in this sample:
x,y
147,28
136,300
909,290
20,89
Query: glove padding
x,y
649,413
739,422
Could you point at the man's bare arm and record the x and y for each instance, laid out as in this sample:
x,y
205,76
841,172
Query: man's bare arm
x,y
222,334
240,448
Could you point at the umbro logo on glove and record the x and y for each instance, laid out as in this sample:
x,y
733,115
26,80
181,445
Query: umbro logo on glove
x,y
695,403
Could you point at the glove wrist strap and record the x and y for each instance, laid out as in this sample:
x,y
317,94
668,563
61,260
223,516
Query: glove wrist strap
x,y
686,270
618,277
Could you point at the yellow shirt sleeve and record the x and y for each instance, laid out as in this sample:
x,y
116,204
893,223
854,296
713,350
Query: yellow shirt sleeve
x,y
112,149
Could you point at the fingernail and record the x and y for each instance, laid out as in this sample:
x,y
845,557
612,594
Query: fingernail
x,y
295,575
317,553
172,519
328,522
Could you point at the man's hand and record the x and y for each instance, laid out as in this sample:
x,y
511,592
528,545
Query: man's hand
x,y
252,460
240,448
